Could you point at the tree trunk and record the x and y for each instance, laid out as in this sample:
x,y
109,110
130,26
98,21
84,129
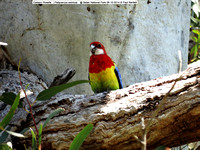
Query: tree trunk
x,y
116,115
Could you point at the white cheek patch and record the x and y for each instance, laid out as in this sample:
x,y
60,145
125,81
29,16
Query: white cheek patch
x,y
99,52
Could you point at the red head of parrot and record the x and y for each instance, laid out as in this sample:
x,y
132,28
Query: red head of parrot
x,y
99,60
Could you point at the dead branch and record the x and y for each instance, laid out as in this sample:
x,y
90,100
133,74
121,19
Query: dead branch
x,y
116,116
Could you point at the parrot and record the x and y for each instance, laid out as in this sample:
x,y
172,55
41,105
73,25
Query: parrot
x,y
103,72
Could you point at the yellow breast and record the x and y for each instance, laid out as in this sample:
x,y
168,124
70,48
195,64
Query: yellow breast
x,y
104,81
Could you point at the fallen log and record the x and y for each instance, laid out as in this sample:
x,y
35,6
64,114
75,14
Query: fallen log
x,y
116,115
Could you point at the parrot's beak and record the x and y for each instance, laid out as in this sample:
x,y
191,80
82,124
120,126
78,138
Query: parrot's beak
x,y
93,49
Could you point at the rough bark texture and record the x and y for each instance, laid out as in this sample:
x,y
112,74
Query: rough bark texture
x,y
117,115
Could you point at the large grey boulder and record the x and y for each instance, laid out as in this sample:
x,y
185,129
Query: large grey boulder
x,y
142,39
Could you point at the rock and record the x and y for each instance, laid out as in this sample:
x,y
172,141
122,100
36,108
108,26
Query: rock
x,y
142,39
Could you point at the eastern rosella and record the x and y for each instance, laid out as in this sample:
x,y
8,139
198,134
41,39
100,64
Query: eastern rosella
x,y
103,72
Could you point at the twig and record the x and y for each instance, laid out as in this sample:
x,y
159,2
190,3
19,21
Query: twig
x,y
137,138
166,96
144,139
146,128
27,98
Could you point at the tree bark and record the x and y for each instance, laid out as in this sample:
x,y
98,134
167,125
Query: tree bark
x,y
116,115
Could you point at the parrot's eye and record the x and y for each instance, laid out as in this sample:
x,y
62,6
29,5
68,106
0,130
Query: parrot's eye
x,y
99,46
